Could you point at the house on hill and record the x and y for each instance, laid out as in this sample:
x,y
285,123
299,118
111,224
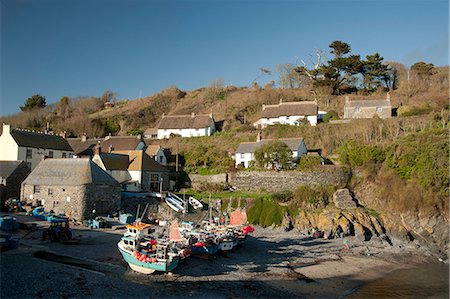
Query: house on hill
x,y
28,146
245,152
368,108
186,125
12,174
289,113
74,187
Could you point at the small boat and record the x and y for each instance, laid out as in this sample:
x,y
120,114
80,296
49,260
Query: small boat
x,y
195,203
174,204
145,254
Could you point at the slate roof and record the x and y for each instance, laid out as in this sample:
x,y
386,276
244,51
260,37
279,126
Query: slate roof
x,y
8,167
83,148
185,121
113,161
139,160
152,149
40,140
289,109
68,172
250,147
120,143
368,103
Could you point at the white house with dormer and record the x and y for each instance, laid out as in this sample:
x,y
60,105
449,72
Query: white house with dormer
x,y
186,125
245,152
31,147
289,113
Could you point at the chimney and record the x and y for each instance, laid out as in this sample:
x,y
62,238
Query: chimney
x,y
388,97
347,99
6,128
259,137
44,157
83,138
97,148
163,115
193,114
264,107
111,148
281,101
63,134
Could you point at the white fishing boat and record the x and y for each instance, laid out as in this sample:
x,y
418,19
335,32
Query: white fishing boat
x,y
195,203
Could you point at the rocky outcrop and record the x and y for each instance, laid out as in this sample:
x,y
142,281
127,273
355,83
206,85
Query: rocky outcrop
x,y
335,222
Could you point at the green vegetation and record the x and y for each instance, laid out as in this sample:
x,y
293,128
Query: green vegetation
x,y
266,212
312,197
34,102
355,153
309,163
330,115
274,155
423,157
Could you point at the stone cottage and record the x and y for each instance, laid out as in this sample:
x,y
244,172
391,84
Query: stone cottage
x,y
368,108
12,174
77,188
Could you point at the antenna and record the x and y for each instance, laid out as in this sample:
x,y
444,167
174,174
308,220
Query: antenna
x,y
137,212
145,210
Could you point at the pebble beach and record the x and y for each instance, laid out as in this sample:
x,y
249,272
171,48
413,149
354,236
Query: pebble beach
x,y
271,264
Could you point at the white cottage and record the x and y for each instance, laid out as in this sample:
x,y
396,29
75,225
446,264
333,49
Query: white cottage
x,y
245,152
31,146
186,125
290,113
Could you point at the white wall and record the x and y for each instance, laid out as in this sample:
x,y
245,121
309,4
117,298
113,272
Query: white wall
x,y
244,157
9,150
291,120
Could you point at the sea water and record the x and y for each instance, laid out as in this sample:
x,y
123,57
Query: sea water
x,y
429,280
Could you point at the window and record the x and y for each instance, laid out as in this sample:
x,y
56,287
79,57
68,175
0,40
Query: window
x,y
64,155
379,109
287,117
55,204
160,159
29,153
36,189
50,191
242,155
50,154
357,109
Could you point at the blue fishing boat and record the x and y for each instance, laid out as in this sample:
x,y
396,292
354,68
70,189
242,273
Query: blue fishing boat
x,y
145,254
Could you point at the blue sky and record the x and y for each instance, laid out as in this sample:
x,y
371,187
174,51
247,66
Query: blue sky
x,y
137,48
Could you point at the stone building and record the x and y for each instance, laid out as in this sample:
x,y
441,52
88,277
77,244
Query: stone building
x,y
77,188
368,108
12,174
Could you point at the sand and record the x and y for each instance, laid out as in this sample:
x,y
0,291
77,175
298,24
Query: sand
x,y
271,264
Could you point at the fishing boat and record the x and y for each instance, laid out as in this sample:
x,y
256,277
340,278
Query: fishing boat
x,y
146,253
201,241
195,203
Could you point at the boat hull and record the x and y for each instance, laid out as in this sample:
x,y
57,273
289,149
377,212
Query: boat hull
x,y
226,245
148,267
207,249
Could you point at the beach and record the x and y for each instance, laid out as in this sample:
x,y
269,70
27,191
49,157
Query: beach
x,y
271,264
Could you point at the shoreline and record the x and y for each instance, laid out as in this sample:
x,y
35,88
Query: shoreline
x,y
271,264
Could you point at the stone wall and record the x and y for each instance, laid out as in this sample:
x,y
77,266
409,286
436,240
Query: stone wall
x,y
286,180
197,179
77,202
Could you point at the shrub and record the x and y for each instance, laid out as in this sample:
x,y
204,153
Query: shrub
x,y
330,115
355,153
309,162
414,110
312,197
265,212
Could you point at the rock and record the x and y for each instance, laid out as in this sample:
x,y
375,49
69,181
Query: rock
x,y
343,199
